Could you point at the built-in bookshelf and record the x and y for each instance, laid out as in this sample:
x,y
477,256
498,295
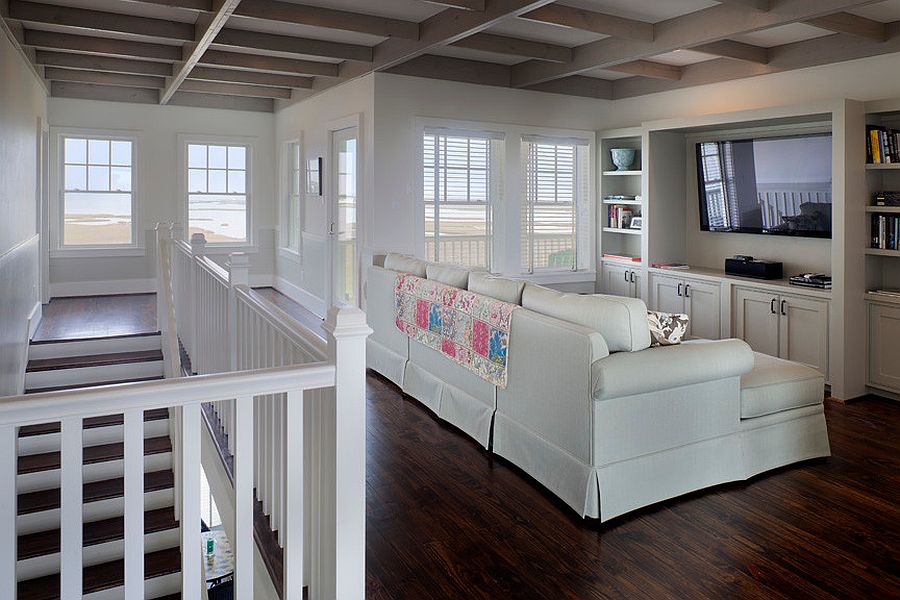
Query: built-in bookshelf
x,y
883,251
621,200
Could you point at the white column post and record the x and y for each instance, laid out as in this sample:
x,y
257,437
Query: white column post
x,y
134,502
162,233
238,274
345,576
292,535
198,249
244,543
71,509
8,540
191,550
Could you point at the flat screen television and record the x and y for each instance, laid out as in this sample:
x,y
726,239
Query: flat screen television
x,y
775,185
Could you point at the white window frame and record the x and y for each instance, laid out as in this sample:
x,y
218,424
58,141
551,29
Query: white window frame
x,y
286,195
57,216
214,140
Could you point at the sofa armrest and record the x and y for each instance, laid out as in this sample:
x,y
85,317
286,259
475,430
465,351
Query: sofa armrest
x,y
663,367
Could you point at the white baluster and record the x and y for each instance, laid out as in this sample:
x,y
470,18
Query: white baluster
x,y
71,509
8,454
134,503
190,500
292,535
243,499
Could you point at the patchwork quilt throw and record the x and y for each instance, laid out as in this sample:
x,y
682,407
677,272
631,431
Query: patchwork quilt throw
x,y
466,327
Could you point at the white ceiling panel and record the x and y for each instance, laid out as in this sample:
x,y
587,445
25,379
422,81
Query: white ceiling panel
x,y
303,31
680,58
478,55
134,9
408,10
544,32
886,12
651,11
785,34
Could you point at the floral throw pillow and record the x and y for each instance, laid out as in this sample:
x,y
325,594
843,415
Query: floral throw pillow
x,y
667,329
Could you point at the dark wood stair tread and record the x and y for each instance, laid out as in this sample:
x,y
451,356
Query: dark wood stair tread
x,y
104,576
32,502
48,461
75,386
94,360
156,414
42,543
123,336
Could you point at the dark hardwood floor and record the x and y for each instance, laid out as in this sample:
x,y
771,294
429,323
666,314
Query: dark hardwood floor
x,y
97,316
445,522
303,315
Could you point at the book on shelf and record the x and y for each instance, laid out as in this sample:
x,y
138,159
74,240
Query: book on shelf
x,y
672,266
882,145
619,217
891,293
625,257
821,281
887,198
886,232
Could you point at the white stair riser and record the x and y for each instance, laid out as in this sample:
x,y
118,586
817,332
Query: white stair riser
x,y
95,436
153,588
110,469
93,511
92,347
81,375
95,555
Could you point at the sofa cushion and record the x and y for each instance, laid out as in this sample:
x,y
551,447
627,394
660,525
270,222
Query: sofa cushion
x,y
621,321
405,264
448,274
501,288
667,329
775,385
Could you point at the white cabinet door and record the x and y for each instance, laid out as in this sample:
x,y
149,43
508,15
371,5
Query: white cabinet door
x,y
617,281
884,346
703,302
666,293
756,319
804,331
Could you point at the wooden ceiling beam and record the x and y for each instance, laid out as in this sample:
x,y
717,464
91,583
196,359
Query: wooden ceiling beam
x,y
844,22
48,40
501,44
95,20
104,78
109,93
270,42
90,62
208,27
316,16
455,69
595,22
459,4
735,50
251,77
754,4
712,24
646,68
267,64
578,85
196,5
235,89
16,35
202,100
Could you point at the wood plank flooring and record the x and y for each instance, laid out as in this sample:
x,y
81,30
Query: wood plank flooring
x,y
97,316
443,521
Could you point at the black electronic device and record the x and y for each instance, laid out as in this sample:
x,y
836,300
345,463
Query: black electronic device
x,y
747,266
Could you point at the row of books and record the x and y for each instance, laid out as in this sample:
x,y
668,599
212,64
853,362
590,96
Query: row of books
x,y
885,232
619,216
882,145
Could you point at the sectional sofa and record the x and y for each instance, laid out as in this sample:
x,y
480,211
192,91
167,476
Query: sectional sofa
x,y
594,413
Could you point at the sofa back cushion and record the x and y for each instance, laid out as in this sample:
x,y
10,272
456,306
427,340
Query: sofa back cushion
x,y
448,274
405,264
621,321
501,288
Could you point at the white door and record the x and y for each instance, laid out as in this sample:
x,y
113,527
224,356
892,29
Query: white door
x,y
616,280
666,293
756,319
703,302
343,226
804,331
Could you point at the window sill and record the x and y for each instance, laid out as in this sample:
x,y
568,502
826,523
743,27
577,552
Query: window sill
x,y
97,252
581,276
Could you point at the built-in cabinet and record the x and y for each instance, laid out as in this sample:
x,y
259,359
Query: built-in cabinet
x,y
784,325
884,346
621,280
700,299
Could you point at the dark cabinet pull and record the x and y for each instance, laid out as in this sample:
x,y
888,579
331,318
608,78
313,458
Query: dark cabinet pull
x,y
782,308
631,277
687,293
626,276
772,306
679,288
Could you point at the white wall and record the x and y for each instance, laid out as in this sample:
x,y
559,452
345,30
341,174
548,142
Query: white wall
x,y
158,186
23,105
304,277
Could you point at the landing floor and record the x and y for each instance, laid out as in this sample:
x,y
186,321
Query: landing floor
x,y
97,316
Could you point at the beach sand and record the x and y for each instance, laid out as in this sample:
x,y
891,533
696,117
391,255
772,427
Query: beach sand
x,y
81,233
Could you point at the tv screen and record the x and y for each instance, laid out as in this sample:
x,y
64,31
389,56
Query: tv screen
x,y
778,186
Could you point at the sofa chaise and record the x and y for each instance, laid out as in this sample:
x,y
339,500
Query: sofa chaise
x,y
603,420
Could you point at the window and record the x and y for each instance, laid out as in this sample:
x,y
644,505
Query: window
x,y
293,198
556,204
98,197
459,189
217,192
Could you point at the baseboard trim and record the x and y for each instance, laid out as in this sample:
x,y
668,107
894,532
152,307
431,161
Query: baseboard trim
x,y
65,289
301,296
262,280
34,319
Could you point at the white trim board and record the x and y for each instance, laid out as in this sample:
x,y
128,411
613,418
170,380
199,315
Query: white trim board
x,y
34,319
301,296
64,289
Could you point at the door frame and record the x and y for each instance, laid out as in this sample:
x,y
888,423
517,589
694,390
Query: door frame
x,y
329,192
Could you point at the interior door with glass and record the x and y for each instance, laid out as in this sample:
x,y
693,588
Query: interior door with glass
x,y
343,226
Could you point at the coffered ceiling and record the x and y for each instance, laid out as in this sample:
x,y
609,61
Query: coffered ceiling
x,y
246,54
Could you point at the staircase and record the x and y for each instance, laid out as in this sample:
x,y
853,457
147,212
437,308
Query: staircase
x,y
67,364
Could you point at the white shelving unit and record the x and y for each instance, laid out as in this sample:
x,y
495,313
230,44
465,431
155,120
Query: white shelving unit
x,y
613,182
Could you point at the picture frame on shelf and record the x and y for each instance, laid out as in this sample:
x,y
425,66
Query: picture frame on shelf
x,y
314,176
636,223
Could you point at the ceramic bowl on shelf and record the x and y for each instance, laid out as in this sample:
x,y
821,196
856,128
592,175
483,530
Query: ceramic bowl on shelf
x,y
622,158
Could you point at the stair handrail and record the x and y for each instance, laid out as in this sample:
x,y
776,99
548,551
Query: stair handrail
x,y
165,301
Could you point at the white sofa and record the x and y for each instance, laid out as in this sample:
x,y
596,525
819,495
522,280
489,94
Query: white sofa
x,y
591,411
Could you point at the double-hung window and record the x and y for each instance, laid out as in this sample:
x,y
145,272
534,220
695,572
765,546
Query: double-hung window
x,y
98,195
460,175
217,191
555,204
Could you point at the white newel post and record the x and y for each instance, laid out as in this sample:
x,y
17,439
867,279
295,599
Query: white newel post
x,y
8,460
345,576
238,274
162,233
198,250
